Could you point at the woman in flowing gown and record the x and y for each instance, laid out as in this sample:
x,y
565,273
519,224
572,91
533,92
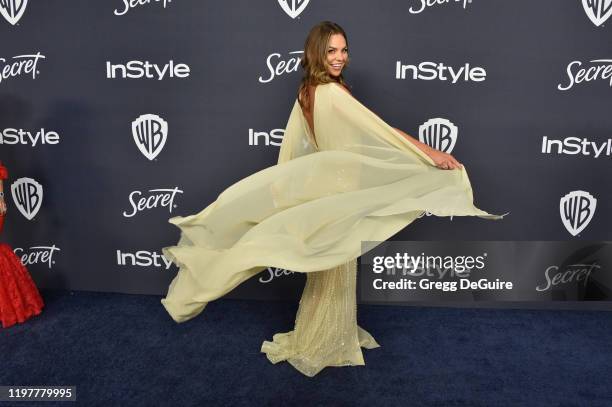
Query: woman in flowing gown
x,y
343,176
19,297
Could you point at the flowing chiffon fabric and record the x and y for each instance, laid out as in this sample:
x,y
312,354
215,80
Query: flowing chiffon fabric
x,y
360,180
19,297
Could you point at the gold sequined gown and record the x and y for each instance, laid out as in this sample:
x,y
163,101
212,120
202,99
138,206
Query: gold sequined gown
x,y
326,331
358,181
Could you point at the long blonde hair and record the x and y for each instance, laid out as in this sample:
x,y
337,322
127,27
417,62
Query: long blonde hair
x,y
315,58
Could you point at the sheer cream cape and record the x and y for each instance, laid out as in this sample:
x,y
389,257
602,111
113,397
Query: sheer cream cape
x,y
360,181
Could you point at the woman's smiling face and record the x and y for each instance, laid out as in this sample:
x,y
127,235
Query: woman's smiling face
x,y
337,54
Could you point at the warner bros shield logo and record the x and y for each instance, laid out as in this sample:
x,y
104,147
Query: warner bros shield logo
x,y
439,133
12,10
293,7
577,209
150,133
598,10
28,196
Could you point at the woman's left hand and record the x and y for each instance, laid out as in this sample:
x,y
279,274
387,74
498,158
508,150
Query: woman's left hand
x,y
443,160
2,206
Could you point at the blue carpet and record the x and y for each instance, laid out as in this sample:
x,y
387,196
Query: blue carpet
x,y
125,350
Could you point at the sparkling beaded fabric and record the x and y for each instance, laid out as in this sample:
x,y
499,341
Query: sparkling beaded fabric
x,y
326,331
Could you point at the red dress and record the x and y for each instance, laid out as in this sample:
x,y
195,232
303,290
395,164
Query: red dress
x,y
19,297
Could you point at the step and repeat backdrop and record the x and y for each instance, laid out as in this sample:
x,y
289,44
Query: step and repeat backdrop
x,y
116,115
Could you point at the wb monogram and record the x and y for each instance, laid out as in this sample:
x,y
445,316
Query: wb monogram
x,y
150,133
27,195
438,133
12,10
577,209
293,7
598,10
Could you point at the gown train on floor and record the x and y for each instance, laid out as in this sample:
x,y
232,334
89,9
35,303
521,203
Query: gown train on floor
x,y
326,331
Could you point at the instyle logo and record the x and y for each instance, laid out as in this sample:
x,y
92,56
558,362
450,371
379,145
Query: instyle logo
x,y
11,136
143,258
274,137
12,10
424,4
429,71
150,133
130,4
577,209
293,8
598,10
577,145
37,255
139,69
278,66
22,65
573,274
28,196
599,69
153,198
439,133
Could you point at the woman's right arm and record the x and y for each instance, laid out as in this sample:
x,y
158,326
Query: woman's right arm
x,y
442,160
422,146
